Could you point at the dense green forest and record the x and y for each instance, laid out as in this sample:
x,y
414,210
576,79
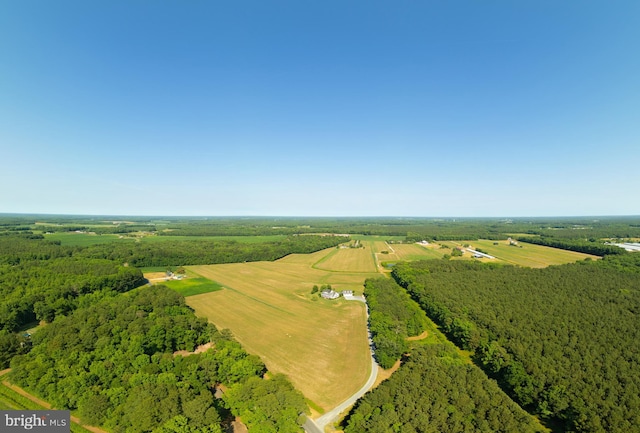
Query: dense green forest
x,y
393,316
113,361
40,280
436,391
564,341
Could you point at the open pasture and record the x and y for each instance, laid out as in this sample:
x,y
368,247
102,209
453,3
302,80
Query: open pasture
x,y
529,255
349,260
320,345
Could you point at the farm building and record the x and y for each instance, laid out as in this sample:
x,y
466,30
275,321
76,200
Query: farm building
x,y
479,255
329,294
347,293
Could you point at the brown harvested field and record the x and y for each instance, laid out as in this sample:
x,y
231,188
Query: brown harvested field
x,y
320,345
349,260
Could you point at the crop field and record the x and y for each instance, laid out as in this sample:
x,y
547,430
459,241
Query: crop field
x,y
321,345
530,255
407,252
81,239
349,260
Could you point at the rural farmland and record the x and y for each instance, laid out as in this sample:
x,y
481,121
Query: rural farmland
x,y
529,255
320,345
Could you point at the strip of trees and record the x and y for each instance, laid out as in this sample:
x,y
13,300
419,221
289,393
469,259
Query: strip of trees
x,y
393,316
594,247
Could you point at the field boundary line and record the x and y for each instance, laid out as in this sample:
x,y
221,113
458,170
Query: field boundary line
x,y
324,259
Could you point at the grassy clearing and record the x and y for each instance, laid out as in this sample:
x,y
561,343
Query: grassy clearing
x,y
320,345
81,239
192,286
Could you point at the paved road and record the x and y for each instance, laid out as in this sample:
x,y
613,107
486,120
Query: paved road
x,y
318,425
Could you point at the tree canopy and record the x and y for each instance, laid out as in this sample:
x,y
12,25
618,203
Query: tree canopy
x,y
564,341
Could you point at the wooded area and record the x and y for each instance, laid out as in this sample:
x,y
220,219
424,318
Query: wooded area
x,y
436,391
393,316
563,341
113,361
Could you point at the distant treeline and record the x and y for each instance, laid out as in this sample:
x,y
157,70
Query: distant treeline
x,y
415,229
100,230
563,341
113,361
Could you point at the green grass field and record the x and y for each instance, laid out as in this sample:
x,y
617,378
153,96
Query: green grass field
x,y
82,239
192,286
320,345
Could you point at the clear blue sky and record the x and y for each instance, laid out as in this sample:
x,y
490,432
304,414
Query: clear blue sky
x,y
341,108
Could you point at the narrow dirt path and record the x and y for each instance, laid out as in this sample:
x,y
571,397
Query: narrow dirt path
x,y
422,336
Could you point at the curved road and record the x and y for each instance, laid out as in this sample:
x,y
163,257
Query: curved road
x,y
318,425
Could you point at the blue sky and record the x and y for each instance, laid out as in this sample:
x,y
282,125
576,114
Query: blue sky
x,y
321,108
